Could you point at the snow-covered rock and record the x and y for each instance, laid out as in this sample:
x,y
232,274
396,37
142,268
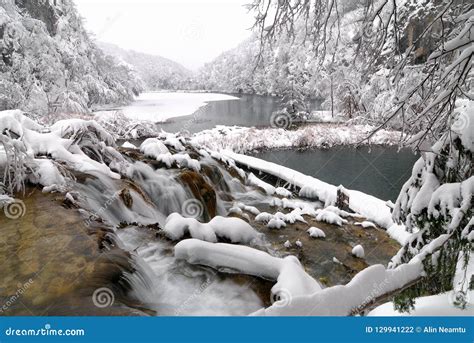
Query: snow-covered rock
x,y
234,229
292,280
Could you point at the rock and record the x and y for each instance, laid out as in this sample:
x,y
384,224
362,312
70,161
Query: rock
x,y
126,197
202,191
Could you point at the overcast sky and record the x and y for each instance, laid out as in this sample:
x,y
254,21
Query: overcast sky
x,y
186,31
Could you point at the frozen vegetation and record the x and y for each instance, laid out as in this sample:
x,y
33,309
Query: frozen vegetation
x,y
247,139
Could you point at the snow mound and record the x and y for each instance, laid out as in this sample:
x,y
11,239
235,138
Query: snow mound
x,y
153,147
234,229
129,145
276,223
316,232
358,251
330,217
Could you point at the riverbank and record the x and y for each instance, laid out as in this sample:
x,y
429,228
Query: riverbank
x,y
325,135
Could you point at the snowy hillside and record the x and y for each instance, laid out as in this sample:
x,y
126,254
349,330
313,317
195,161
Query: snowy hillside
x,y
157,72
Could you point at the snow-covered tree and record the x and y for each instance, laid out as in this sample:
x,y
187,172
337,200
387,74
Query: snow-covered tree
x,y
412,62
49,64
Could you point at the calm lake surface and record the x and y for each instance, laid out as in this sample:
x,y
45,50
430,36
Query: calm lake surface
x,y
249,110
379,171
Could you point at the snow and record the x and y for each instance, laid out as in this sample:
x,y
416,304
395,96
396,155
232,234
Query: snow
x,y
276,224
329,217
358,251
291,278
287,244
366,224
156,148
325,117
316,232
70,128
464,125
299,244
161,106
153,147
37,141
283,192
255,211
234,229
248,139
434,305
255,181
129,145
366,205
340,300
